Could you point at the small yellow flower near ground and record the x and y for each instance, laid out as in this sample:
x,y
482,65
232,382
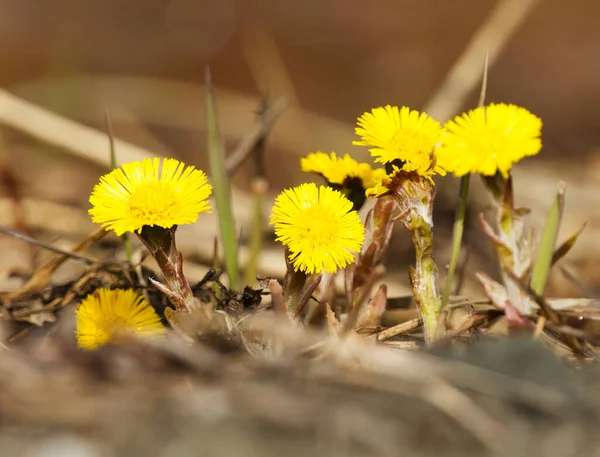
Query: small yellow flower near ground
x,y
150,193
336,170
106,312
401,134
318,226
489,139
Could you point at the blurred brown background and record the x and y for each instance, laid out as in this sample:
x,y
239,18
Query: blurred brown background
x,y
143,60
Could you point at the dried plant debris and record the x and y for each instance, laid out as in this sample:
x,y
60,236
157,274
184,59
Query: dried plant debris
x,y
211,288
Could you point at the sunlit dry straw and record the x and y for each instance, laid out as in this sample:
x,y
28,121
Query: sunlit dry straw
x,y
57,130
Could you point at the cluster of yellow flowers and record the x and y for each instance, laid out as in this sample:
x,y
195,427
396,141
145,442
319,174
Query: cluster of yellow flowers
x,y
318,225
486,140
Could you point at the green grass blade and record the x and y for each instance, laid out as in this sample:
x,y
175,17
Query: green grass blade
x,y
543,261
457,235
220,182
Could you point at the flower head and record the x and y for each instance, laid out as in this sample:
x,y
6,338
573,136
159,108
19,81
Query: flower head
x,y
345,174
336,170
147,193
403,136
318,226
489,139
106,312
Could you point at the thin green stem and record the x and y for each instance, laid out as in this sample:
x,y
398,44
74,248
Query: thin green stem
x,y
457,235
259,188
113,165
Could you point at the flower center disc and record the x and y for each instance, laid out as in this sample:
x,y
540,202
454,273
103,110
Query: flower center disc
x,y
152,202
407,140
322,229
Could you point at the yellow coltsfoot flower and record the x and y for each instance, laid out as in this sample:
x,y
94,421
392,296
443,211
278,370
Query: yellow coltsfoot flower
x,y
402,136
150,193
489,139
319,227
337,170
106,313
345,174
